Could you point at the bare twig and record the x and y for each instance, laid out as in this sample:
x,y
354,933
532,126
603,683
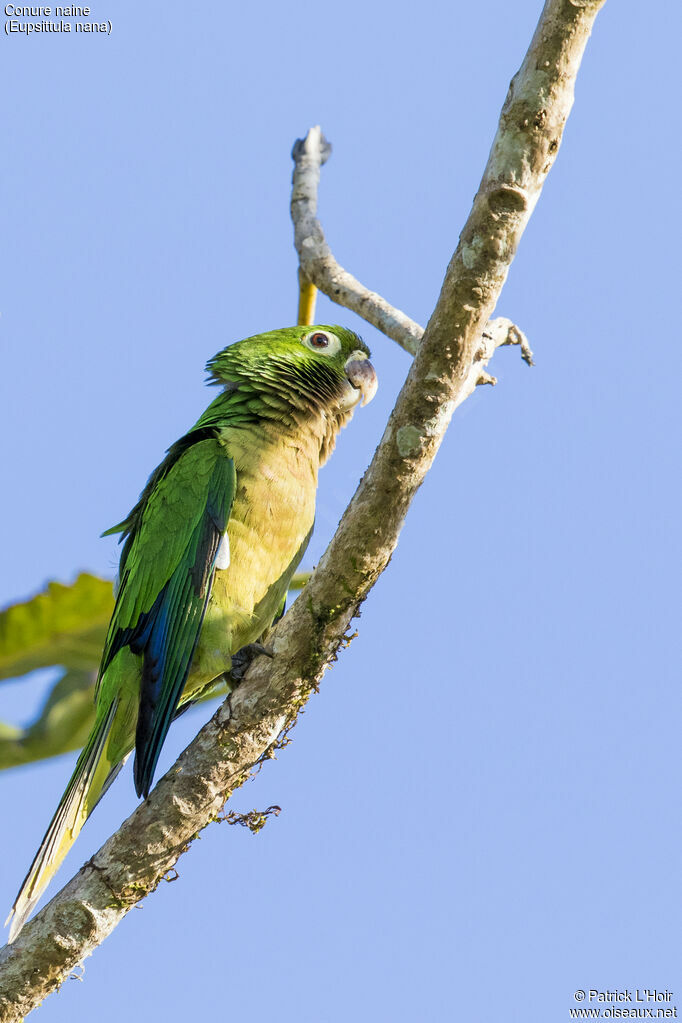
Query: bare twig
x,y
317,262
319,269
245,728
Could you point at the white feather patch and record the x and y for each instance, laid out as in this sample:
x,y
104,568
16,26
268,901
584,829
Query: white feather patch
x,y
223,556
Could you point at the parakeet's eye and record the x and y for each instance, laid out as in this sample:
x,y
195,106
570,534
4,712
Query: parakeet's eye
x,y
322,341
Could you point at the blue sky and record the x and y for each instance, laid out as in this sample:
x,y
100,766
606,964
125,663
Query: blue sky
x,y
481,807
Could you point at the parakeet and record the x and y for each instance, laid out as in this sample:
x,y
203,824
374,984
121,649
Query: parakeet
x,y
208,553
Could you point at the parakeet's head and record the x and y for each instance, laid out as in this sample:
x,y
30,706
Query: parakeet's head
x,y
322,368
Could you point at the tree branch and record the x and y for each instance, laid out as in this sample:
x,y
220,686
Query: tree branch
x,y
246,727
319,269
315,257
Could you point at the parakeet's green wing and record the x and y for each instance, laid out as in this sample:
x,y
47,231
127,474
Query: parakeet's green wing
x,y
172,539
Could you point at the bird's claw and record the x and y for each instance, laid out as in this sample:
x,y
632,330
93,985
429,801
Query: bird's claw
x,y
241,661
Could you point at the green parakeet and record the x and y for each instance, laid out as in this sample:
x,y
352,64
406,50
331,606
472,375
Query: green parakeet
x,y
208,553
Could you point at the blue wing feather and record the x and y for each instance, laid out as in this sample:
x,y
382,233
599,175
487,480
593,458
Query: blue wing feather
x,y
168,636
171,540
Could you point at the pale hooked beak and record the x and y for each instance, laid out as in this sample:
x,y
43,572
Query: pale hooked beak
x,y
360,373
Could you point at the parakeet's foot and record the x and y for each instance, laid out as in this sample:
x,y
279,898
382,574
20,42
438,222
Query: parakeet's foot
x,y
243,658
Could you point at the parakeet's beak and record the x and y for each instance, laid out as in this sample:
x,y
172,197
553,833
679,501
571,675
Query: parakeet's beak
x,y
361,374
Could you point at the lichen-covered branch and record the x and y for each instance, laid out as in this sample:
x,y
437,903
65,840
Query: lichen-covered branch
x,y
246,727
318,269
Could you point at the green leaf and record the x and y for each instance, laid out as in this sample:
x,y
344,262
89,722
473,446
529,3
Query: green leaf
x,y
299,580
62,625
66,626
62,725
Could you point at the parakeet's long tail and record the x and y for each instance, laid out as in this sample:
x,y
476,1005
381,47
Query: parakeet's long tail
x,y
91,778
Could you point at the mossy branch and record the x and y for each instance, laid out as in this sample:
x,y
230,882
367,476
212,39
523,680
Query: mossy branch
x,y
246,727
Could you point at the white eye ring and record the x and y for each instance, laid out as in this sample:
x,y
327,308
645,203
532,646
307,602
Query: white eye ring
x,y
323,342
